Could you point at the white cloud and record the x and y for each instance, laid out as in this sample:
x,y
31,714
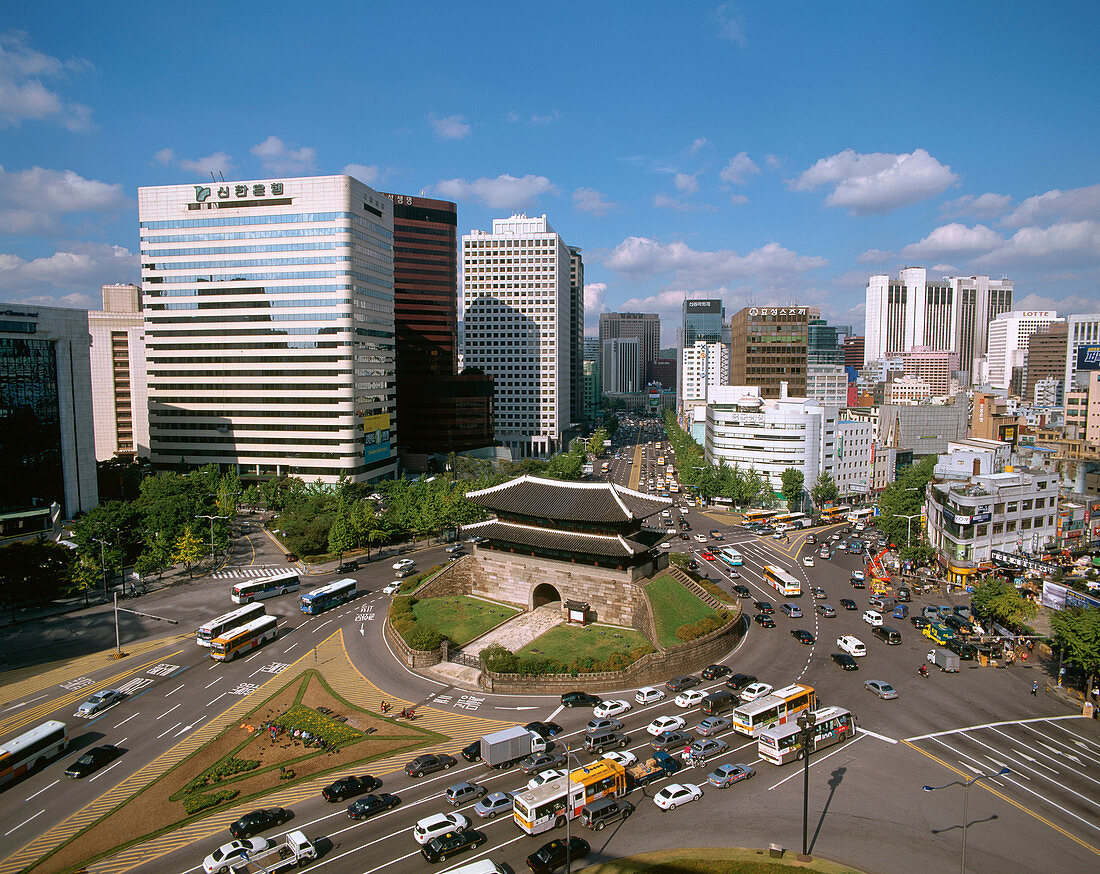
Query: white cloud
x,y
875,256
877,182
698,144
277,158
534,119
739,167
1061,246
1057,205
592,201
23,93
686,182
981,206
213,162
774,162
1071,303
953,239
453,127
731,25
72,270
738,199
549,118
362,172
503,192
164,156
31,201
663,201
594,297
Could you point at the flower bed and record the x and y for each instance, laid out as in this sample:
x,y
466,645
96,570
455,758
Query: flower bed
x,y
306,719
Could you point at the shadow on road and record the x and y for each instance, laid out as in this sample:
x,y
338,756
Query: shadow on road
x,y
942,831
834,784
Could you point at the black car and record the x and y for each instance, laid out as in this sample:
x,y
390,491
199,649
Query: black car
x,y
858,584
551,856
919,621
693,564
965,651
369,805
580,699
716,672
93,760
764,607
741,591
258,821
472,752
451,844
678,684
348,787
845,661
848,604
739,681
429,764
347,566
803,636
764,620
545,730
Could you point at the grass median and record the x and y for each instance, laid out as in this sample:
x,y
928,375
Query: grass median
x,y
673,607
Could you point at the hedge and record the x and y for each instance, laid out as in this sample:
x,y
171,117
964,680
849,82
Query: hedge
x,y
503,661
195,803
703,626
420,637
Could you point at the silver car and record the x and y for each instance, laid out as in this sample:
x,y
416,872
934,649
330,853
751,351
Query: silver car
x,y
493,805
101,700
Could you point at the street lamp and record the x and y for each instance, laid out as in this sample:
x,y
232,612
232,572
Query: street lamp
x,y
806,722
908,524
569,805
211,518
103,561
966,784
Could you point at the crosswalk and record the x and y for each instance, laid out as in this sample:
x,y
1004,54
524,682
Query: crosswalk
x,y
237,573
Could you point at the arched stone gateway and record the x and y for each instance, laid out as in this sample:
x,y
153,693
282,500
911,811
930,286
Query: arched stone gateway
x,y
544,593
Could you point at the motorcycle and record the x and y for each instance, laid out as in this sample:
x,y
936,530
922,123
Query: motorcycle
x,y
923,671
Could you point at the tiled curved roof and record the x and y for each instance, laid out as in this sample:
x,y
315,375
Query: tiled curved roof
x,y
503,533
540,498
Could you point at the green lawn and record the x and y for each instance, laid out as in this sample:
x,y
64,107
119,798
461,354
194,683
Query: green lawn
x,y
461,618
566,643
673,606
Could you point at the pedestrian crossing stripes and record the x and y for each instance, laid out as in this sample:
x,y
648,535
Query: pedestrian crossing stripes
x,y
237,573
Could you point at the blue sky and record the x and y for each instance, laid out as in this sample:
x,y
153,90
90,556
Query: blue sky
x,y
764,153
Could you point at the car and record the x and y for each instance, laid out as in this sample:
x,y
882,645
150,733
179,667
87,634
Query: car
x,y
536,762
755,690
811,538
705,748
391,589
472,752
259,820
848,604
494,804
457,547
603,724
807,561
545,730
881,688
670,740
227,854
611,708
764,620
438,824
678,684
92,760
741,591
792,610
291,557
818,593
707,554
553,855
715,533
348,787
739,681
477,538
693,564
919,622
649,695
458,794
689,698
99,701
803,636
580,699
845,661
403,563
675,794
835,536
712,725
429,764
369,805
725,776
626,759
545,777
443,847
668,545
779,535
764,606
872,617
827,610
859,575
664,723
345,567
824,554
715,672
700,538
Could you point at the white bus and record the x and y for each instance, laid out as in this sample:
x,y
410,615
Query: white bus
x,y
32,749
265,587
778,708
233,619
244,639
789,521
781,744
731,556
545,807
863,514
782,581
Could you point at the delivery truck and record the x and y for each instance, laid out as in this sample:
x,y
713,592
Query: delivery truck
x,y
504,748
944,659
294,850
654,768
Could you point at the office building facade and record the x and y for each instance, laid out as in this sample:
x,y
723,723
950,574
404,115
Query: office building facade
x,y
1046,360
645,326
576,335
1007,348
827,383
1082,347
120,387
622,365
936,367
269,325
768,347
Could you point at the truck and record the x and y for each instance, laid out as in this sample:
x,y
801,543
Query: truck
x,y
944,659
504,748
296,849
659,765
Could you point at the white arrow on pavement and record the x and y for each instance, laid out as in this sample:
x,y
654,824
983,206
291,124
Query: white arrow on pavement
x,y
362,631
516,708
1069,756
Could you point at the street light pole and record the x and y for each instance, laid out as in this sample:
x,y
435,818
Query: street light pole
x,y
569,805
966,784
806,722
211,518
102,561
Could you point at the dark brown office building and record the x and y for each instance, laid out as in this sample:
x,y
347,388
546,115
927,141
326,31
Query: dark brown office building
x,y
853,352
1046,356
767,347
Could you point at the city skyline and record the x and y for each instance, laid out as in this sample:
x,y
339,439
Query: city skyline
x,y
710,178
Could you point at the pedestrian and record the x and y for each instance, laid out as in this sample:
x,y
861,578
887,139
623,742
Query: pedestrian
x,y
1035,688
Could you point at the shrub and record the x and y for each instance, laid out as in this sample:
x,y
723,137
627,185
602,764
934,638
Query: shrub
x,y
317,724
423,637
496,658
195,803
704,626
223,771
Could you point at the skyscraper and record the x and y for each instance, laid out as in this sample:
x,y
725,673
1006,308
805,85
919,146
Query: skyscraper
x,y
768,347
1082,348
576,335
120,381
703,322
269,326
622,365
1007,346
1046,360
645,326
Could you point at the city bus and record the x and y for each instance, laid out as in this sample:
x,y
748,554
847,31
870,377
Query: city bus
x,y
778,708
791,520
782,743
863,514
545,807
731,556
328,596
782,581
265,587
32,749
233,619
757,516
245,638
835,514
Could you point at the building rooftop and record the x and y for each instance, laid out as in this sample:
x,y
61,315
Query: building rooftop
x,y
548,499
535,537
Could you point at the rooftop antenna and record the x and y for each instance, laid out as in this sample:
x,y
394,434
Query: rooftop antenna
x,y
221,175
213,178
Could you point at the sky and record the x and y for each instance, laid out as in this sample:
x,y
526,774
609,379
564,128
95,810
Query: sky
x,y
762,153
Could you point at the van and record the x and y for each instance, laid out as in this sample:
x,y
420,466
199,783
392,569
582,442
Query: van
x,y
605,810
482,866
938,632
792,610
717,703
887,635
604,739
901,611
851,645
872,617
930,613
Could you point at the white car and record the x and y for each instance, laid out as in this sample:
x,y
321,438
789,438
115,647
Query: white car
x,y
807,561
666,545
755,690
675,794
227,854
438,824
665,723
404,563
545,777
101,700
649,695
700,538
392,588
611,708
689,698
872,617
624,758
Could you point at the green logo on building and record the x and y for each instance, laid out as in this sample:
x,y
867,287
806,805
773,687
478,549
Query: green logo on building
x,y
201,193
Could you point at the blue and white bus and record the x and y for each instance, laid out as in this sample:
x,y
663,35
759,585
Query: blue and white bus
x,y
328,596
265,587
731,556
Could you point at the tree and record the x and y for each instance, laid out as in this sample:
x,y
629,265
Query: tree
x,y
824,490
340,535
188,549
998,599
32,571
793,481
1077,633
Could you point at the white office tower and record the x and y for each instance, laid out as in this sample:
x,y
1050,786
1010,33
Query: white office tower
x,y
622,365
1008,343
827,383
269,326
120,385
1082,348
516,312
704,366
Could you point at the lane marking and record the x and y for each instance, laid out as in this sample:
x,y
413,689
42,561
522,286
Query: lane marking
x,y
127,719
104,771
177,725
24,822
814,761
40,791
1044,755
211,684
180,686
967,728
888,740
166,712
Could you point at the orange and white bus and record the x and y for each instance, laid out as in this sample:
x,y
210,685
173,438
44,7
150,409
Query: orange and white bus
x,y
835,514
32,749
787,521
863,514
782,582
778,708
758,515
546,806
233,619
244,639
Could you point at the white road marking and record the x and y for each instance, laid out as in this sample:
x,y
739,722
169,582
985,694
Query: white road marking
x,y
991,725
104,771
24,822
814,761
23,704
180,686
40,791
550,718
211,684
1044,755
222,695
127,719
166,712
1093,759
159,736
289,648
888,740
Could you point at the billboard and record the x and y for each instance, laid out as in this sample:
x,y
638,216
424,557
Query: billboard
x,y
376,437
703,306
1088,357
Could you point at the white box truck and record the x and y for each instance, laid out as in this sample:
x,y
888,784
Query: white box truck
x,y
504,748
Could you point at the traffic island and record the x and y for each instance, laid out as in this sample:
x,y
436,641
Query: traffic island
x,y
716,860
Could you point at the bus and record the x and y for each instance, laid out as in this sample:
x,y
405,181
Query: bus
x,y
32,749
731,556
781,744
863,514
835,514
778,708
757,515
265,587
245,638
232,619
328,596
546,807
791,520
722,502
782,581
